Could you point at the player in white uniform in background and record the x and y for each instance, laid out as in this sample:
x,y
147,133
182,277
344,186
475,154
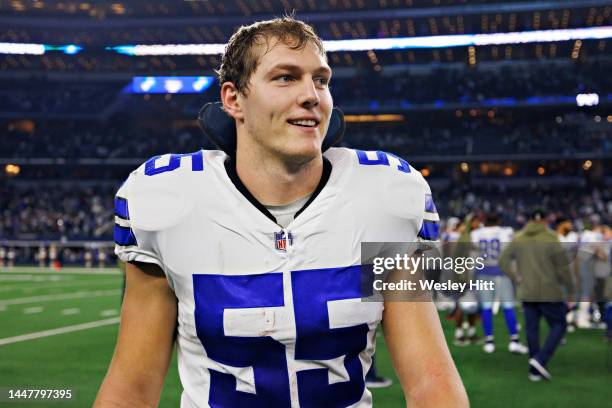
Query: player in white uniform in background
x,y
464,310
53,261
569,240
589,240
490,241
11,255
254,259
41,255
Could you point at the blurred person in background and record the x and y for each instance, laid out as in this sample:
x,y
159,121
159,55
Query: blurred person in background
x,y
489,241
465,315
606,299
569,241
601,271
590,238
543,280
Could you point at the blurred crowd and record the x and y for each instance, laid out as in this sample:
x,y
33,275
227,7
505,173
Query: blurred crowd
x,y
515,204
461,85
564,135
76,212
42,96
497,85
56,212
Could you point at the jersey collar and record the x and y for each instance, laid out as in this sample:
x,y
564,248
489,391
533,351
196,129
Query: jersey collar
x,y
230,168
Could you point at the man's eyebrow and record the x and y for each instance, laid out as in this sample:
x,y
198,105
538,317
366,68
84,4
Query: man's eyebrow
x,y
297,68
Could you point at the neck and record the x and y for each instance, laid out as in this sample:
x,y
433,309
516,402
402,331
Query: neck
x,y
274,181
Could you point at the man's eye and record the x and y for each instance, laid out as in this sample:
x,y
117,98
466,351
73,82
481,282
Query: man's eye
x,y
322,81
284,78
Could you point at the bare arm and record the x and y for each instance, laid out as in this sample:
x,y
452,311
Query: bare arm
x,y
420,356
146,337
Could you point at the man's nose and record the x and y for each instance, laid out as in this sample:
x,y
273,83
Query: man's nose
x,y
309,97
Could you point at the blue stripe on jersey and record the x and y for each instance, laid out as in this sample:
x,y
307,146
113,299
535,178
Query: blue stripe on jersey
x,y
121,208
430,207
381,158
124,236
430,230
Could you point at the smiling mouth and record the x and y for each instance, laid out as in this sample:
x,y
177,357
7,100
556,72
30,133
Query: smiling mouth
x,y
308,123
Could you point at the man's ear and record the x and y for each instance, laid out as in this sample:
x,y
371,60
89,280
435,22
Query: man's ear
x,y
230,98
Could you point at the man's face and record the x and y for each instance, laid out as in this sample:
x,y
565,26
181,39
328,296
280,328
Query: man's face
x,y
287,106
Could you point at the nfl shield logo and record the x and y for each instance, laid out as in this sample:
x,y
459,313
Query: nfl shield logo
x,y
281,240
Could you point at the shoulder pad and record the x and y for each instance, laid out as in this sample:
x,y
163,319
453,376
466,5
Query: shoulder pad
x,y
158,192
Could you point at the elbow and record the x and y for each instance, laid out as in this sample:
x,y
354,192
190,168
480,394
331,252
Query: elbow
x,y
444,390
451,397
124,392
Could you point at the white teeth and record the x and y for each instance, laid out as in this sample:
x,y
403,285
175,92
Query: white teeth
x,y
304,122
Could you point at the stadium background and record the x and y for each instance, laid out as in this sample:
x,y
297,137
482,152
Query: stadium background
x,y
507,126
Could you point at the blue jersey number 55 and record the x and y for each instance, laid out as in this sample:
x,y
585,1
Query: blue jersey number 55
x,y
315,340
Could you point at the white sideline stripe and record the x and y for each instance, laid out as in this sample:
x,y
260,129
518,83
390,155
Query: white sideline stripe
x,y
45,285
60,330
33,278
32,310
63,271
50,298
108,312
71,311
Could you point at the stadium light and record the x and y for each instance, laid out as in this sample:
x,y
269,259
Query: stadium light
x,y
169,84
374,118
12,169
590,99
22,48
436,41
71,49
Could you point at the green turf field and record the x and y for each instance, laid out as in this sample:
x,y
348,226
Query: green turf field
x,y
37,302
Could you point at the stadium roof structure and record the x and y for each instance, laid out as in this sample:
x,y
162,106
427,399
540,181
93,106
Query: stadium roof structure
x,y
393,19
160,8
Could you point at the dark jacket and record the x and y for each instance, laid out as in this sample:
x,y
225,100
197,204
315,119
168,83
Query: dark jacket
x,y
542,265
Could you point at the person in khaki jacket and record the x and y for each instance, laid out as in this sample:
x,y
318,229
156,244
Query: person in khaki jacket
x,y
542,278
608,288
608,314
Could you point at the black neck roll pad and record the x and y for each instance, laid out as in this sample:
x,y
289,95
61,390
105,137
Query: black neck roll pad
x,y
220,128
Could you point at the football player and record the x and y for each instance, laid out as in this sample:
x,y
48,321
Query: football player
x,y
569,241
465,311
252,255
490,240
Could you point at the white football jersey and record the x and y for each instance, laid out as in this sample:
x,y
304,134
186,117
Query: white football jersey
x,y
490,241
570,238
451,236
588,242
270,317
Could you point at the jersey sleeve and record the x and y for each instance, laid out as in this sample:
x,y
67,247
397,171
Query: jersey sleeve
x,y
430,224
131,244
508,235
474,237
